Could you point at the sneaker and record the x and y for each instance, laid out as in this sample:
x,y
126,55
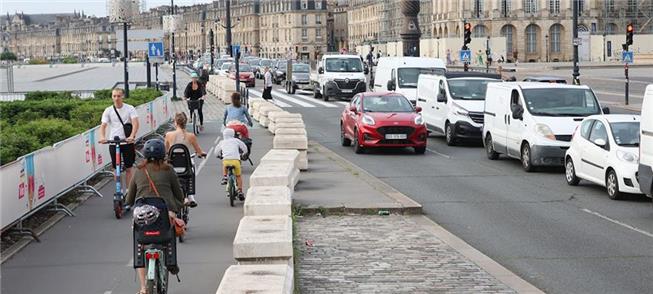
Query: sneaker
x,y
201,128
191,201
224,181
241,196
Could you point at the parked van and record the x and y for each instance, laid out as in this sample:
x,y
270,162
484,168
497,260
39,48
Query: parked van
x,y
452,104
400,74
534,122
645,170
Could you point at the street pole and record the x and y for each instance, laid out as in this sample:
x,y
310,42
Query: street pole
x,y
546,46
575,33
627,81
173,55
228,28
149,71
487,55
126,55
212,48
156,75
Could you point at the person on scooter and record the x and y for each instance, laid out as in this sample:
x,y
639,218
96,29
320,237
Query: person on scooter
x,y
188,139
165,180
230,150
236,111
194,92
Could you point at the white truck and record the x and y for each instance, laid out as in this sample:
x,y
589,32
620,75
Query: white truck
x,y
339,76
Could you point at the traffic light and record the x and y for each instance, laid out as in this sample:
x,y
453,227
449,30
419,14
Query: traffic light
x,y
468,35
630,30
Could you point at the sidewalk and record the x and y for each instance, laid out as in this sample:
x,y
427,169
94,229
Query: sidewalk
x,y
343,244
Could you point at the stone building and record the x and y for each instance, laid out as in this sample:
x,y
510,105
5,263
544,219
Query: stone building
x,y
539,30
337,28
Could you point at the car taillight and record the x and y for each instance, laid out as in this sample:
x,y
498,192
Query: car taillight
x,y
152,255
152,233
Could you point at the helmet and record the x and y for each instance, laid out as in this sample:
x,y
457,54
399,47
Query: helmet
x,y
154,149
228,133
145,215
194,75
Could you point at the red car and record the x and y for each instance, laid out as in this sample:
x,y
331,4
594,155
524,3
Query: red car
x,y
246,74
377,119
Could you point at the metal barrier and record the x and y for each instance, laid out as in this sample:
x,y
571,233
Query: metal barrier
x,y
38,179
20,96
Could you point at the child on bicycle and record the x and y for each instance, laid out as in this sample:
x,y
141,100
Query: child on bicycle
x,y
236,111
230,150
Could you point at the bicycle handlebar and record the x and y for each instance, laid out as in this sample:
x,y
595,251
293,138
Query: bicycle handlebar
x,y
116,140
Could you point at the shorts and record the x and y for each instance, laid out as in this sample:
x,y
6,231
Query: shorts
x,y
127,152
232,162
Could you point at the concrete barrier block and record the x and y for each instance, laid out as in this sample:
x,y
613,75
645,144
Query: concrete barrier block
x,y
290,131
282,155
275,174
288,126
284,114
272,125
299,142
257,278
264,239
302,163
268,200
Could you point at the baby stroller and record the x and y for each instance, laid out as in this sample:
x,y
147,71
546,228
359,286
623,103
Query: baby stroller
x,y
182,163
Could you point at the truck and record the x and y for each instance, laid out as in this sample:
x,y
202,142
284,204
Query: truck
x,y
339,76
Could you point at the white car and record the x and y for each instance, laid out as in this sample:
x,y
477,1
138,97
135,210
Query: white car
x,y
224,69
646,144
604,150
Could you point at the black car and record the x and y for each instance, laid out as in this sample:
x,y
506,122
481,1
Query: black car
x,y
301,78
279,71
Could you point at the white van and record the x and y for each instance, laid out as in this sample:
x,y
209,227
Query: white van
x,y
452,104
645,170
400,74
534,122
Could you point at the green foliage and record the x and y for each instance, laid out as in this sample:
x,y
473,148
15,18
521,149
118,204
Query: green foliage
x,y
8,55
69,60
45,118
38,61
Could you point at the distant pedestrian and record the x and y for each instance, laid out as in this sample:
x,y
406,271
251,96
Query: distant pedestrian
x,y
267,85
449,61
479,57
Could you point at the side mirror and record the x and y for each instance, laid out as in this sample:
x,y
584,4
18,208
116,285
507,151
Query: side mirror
x,y
517,112
352,109
391,85
442,97
418,109
606,110
366,71
600,142
320,70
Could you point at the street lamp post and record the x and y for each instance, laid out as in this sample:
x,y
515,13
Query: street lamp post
x,y
173,55
604,57
575,33
546,46
228,26
122,12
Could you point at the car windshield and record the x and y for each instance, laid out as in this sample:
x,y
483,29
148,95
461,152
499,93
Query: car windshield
x,y
265,62
254,61
281,66
226,65
469,89
626,133
561,102
244,68
343,64
300,68
220,62
407,77
387,103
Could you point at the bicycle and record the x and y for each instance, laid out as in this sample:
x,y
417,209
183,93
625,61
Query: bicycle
x,y
232,186
193,107
156,271
118,195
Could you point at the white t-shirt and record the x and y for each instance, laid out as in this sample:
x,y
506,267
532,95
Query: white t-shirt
x,y
127,113
268,79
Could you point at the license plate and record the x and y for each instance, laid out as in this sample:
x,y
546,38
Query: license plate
x,y
395,136
347,91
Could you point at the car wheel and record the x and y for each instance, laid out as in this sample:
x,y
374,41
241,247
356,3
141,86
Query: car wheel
x,y
570,172
358,149
526,159
291,89
489,148
612,185
420,150
316,92
449,135
344,141
324,95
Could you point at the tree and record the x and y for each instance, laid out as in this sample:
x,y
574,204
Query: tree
x,y
8,55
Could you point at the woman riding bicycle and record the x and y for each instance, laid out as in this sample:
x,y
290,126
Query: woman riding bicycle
x,y
236,111
188,139
195,92
165,181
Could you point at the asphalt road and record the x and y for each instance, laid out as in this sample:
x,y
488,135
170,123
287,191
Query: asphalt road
x,y
92,253
562,239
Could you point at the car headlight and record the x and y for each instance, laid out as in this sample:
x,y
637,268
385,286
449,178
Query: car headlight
x,y
627,156
459,110
368,120
544,131
419,120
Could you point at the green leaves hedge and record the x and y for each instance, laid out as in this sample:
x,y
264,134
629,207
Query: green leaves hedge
x,y
45,118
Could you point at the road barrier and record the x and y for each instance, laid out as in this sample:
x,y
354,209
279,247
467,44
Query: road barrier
x,y
38,179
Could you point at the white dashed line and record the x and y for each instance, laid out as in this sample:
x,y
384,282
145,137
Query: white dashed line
x,y
438,153
208,155
645,233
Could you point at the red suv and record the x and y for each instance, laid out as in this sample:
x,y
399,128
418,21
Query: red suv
x,y
377,119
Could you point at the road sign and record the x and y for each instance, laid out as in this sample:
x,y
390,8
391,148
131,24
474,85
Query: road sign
x,y
155,52
628,57
465,55
235,49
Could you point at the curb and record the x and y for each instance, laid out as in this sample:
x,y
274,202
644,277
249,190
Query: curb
x,y
18,246
408,205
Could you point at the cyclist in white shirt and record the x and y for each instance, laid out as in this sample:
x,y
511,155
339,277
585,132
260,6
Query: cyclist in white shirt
x,y
120,117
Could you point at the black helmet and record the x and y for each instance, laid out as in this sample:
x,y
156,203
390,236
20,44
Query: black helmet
x,y
154,149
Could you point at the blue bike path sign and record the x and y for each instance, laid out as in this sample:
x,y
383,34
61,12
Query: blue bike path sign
x,y
465,55
628,57
155,51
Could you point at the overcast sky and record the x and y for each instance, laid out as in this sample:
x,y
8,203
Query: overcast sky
x,y
90,7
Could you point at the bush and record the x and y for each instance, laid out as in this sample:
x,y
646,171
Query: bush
x,y
69,60
27,137
39,60
88,115
51,108
102,94
8,55
44,95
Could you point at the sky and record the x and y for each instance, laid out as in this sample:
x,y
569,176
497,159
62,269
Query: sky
x,y
90,7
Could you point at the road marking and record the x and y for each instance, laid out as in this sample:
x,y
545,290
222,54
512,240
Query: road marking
x,y
275,101
291,99
217,140
342,103
315,100
130,263
208,155
645,233
107,292
438,153
618,94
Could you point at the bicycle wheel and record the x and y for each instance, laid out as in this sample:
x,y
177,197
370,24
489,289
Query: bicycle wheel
x,y
232,191
162,274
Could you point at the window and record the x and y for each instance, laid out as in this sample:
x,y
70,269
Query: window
x,y
304,33
585,128
479,31
304,4
387,104
555,38
318,4
505,7
609,5
598,132
318,33
304,19
561,102
530,6
626,133
554,6
469,89
581,6
478,7
507,32
531,39
318,19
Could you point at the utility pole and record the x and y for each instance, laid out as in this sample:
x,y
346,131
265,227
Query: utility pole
x,y
212,48
228,28
173,55
576,73
630,30
126,59
488,55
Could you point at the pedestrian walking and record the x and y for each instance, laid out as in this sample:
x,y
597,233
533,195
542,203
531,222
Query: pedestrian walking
x,y
449,61
479,57
267,85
